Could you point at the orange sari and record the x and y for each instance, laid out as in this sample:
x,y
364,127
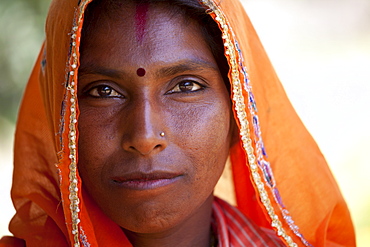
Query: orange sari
x,y
281,180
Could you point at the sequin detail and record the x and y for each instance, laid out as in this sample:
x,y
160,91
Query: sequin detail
x,y
262,175
83,238
71,110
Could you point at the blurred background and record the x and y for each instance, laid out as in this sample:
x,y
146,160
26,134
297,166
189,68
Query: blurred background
x,y
320,50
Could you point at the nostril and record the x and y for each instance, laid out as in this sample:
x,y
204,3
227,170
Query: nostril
x,y
145,150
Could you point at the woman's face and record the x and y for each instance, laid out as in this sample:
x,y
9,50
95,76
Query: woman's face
x,y
143,73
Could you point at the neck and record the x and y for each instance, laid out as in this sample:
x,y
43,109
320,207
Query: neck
x,y
192,232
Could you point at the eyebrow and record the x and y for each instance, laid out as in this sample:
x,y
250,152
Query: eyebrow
x,y
180,67
99,70
184,66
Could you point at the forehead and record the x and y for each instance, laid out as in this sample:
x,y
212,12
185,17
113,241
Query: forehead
x,y
140,32
128,13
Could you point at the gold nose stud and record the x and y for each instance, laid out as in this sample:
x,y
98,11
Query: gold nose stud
x,y
161,134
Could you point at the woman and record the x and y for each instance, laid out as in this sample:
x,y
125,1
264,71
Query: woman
x,y
140,125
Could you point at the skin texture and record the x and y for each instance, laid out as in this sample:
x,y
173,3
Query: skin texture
x,y
157,188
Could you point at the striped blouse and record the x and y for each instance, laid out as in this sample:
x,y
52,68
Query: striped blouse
x,y
233,229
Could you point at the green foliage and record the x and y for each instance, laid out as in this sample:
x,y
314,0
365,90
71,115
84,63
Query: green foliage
x,y
22,33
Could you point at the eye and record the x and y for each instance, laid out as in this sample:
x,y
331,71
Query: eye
x,y
104,91
186,87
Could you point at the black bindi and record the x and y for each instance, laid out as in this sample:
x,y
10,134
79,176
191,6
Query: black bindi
x,y
140,72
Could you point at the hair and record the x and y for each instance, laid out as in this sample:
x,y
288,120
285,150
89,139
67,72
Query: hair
x,y
189,9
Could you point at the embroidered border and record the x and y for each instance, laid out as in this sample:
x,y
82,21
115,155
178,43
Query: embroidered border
x,y
256,157
71,96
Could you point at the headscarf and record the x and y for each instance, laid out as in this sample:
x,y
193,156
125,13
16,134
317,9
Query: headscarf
x,y
281,180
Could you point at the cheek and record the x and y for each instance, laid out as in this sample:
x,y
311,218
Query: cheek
x,y
98,127
203,135
205,126
98,140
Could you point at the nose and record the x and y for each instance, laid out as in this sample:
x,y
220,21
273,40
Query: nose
x,y
145,132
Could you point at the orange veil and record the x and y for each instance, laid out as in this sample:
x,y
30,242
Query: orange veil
x,y
281,179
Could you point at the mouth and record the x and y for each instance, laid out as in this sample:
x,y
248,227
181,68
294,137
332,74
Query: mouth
x,y
146,181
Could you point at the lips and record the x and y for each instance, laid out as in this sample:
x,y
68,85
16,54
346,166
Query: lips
x,y
146,181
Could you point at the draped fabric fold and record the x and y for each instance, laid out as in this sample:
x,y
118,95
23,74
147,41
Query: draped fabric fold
x,y
282,182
